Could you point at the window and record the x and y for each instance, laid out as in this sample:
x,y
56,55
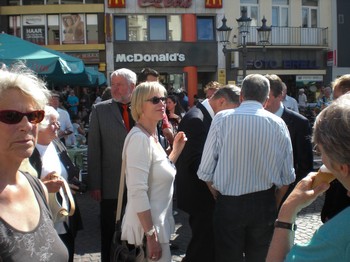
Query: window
x,y
73,28
157,28
120,28
175,31
252,7
15,25
205,28
144,28
91,29
309,13
280,13
53,28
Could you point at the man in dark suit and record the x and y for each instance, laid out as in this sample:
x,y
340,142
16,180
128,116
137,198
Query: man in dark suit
x,y
109,125
299,130
193,195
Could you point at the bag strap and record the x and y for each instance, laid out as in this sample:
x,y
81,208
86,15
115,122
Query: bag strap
x,y
68,192
122,179
121,184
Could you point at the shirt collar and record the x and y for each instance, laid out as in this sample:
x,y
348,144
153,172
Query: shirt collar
x,y
208,107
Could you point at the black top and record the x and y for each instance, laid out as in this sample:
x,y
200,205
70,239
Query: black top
x,y
41,244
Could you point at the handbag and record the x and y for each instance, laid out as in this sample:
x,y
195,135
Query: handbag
x,y
60,213
121,251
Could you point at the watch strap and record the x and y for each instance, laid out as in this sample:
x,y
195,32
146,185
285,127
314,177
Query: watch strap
x,y
285,225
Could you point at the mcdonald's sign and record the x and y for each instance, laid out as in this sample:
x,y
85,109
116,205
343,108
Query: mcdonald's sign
x,y
213,3
116,3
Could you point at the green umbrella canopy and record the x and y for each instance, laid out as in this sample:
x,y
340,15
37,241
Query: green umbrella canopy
x,y
55,67
96,77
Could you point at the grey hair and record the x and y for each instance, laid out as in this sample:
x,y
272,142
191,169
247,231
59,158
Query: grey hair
x,y
21,78
332,130
129,75
255,87
230,92
49,112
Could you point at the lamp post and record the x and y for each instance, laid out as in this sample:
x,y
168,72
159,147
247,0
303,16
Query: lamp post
x,y
243,28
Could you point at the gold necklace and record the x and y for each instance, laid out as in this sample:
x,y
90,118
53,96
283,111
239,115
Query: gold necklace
x,y
155,136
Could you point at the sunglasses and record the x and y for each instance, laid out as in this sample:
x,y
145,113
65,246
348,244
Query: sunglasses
x,y
155,100
12,117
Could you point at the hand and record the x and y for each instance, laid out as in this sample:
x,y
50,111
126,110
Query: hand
x,y
302,196
52,182
179,141
96,194
154,248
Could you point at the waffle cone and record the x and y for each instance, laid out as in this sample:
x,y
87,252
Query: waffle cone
x,y
322,177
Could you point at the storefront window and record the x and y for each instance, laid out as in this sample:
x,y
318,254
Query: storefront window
x,y
120,28
34,28
175,31
157,28
73,29
15,25
205,28
137,25
53,30
33,2
91,29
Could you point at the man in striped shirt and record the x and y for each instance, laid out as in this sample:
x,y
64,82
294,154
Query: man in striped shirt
x,y
247,163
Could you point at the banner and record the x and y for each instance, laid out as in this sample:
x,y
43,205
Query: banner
x,y
73,29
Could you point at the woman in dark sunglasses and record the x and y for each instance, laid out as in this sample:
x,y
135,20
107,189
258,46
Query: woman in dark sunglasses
x,y
150,174
26,228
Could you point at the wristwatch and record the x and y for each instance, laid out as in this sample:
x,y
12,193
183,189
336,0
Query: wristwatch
x,y
285,225
150,232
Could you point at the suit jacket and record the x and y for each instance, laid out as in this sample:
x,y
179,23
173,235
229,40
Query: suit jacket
x,y
300,133
107,133
193,194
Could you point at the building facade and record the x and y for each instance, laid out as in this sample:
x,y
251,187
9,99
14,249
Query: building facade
x,y
75,27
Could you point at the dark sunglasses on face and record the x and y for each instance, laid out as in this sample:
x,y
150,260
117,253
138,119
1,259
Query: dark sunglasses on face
x,y
155,100
12,117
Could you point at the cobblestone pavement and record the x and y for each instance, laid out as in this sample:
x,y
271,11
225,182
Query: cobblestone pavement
x,y
88,240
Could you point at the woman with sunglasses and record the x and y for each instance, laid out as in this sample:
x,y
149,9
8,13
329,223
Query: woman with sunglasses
x,y
26,228
150,174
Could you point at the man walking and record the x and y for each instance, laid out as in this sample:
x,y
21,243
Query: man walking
x,y
109,125
248,160
193,195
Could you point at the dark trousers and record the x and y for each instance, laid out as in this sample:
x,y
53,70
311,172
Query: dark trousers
x,y
107,218
201,246
68,240
243,226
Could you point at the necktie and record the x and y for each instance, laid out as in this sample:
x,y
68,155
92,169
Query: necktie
x,y
126,116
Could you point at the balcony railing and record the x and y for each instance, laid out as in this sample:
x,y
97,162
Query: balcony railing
x,y
291,36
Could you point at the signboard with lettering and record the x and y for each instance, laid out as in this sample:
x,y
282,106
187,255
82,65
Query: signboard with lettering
x,y
166,54
34,29
165,3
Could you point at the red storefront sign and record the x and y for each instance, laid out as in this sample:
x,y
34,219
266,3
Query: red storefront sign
x,y
116,3
213,3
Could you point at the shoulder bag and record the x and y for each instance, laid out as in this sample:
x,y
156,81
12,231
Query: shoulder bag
x,y
121,251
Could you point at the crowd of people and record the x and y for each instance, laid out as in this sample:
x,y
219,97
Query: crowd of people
x,y
240,162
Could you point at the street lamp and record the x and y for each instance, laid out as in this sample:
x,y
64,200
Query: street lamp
x,y
243,28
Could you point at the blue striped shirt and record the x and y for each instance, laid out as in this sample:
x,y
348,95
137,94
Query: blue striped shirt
x,y
248,149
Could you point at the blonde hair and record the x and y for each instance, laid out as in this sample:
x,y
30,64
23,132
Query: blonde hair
x,y
141,93
21,78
